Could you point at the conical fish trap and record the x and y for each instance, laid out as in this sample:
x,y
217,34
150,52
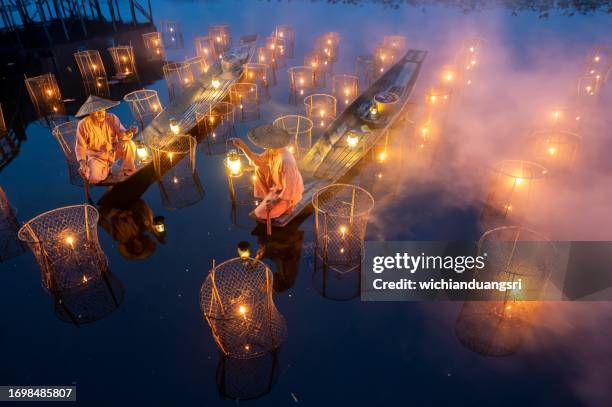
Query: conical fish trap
x,y
236,300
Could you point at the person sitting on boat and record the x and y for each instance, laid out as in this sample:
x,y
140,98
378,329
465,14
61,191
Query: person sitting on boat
x,y
101,140
278,181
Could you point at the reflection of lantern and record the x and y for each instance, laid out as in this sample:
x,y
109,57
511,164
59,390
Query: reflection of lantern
x,y
233,163
448,74
159,224
172,34
244,250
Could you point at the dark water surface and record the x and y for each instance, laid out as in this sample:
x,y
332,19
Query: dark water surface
x,y
156,348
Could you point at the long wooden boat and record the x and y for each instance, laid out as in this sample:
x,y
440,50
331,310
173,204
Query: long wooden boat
x,y
331,157
201,94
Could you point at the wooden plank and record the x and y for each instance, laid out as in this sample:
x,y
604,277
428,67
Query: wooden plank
x,y
330,158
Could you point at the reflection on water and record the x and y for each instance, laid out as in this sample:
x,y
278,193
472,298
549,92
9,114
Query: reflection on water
x,y
131,226
245,379
89,302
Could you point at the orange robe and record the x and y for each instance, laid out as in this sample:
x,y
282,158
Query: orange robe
x,y
277,178
102,145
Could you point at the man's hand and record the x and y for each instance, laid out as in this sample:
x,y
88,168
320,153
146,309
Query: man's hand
x,y
84,169
129,133
239,143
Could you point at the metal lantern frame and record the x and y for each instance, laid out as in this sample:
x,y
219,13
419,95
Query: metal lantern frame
x,y
66,135
236,301
179,76
497,327
216,121
398,43
321,68
384,58
154,45
300,130
205,49
258,74
10,244
286,33
345,88
65,244
93,72
245,97
175,168
341,218
511,190
320,108
265,56
45,95
198,66
124,62
365,69
144,105
556,149
221,37
329,45
301,80
277,46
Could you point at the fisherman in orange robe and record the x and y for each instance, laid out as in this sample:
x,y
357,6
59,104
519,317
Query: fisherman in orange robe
x,y
101,140
278,181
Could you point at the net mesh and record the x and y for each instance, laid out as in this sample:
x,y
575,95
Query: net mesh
x,y
93,73
179,76
45,95
174,164
124,62
66,134
300,130
144,105
245,97
236,300
65,244
341,217
154,46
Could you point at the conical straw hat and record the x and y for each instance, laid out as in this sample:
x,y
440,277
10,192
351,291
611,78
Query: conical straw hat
x,y
269,136
93,104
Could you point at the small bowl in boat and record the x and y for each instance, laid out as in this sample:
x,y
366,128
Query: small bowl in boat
x,y
386,102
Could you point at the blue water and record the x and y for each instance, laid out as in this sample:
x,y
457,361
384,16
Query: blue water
x,y
156,348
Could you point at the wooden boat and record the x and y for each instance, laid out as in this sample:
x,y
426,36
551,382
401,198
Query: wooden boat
x,y
331,157
201,94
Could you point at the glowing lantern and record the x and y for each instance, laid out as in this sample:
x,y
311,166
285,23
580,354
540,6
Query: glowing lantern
x,y
234,163
174,127
244,252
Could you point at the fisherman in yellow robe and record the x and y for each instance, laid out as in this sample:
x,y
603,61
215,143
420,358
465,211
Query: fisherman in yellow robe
x,y
101,140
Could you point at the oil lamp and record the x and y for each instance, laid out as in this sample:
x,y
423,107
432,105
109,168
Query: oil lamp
x,y
174,127
244,250
216,83
373,112
352,139
233,163
142,151
158,224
